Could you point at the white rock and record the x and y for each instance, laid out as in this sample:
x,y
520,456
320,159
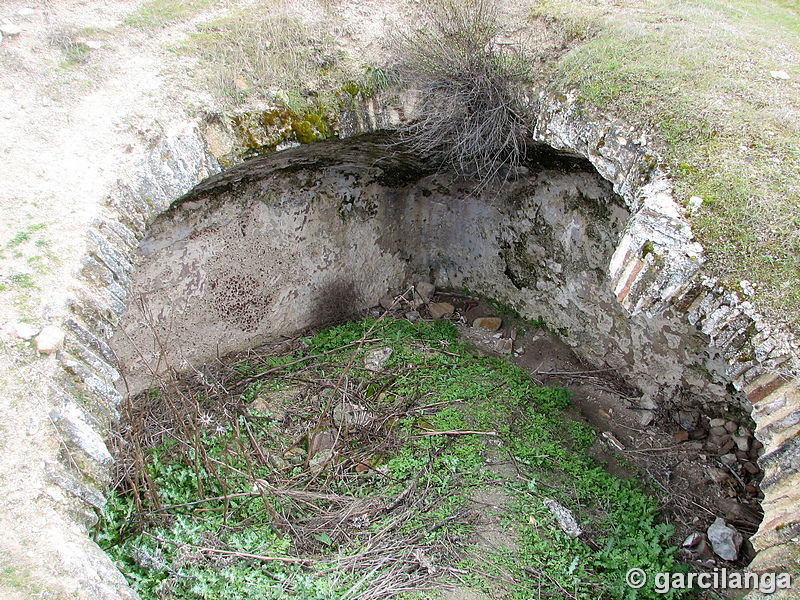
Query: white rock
x,y
742,442
9,30
26,12
725,540
747,288
692,540
94,44
50,339
25,331
376,359
779,74
694,203
566,521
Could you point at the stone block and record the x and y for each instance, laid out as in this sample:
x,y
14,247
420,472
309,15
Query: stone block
x,y
488,323
71,483
440,309
50,339
75,425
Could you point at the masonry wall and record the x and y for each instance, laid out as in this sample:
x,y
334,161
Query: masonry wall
x,y
659,298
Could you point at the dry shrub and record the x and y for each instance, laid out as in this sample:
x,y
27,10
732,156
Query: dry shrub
x,y
471,118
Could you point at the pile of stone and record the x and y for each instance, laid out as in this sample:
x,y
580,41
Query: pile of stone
x,y
733,444
423,302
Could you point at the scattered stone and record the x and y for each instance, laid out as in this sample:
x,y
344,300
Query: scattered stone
x,y
25,331
504,346
50,339
566,521
693,446
10,30
387,301
727,447
440,309
646,417
321,440
718,431
26,12
416,303
613,441
717,475
692,540
320,461
681,436
488,323
94,45
716,423
513,334
703,551
747,288
731,426
779,74
687,419
520,351
295,456
376,359
735,511
698,434
741,455
728,459
426,291
742,442
694,203
413,316
725,540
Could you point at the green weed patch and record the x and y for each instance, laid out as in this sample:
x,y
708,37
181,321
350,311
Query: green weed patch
x,y
299,472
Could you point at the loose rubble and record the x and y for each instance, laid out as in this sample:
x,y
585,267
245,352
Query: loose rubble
x,y
725,540
49,340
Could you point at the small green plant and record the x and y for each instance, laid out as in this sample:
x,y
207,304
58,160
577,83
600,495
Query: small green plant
x,y
23,280
74,48
24,235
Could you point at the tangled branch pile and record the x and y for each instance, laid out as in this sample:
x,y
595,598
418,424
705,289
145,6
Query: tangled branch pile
x,y
471,117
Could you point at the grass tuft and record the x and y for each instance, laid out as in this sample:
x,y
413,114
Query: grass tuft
x,y
471,117
156,14
265,53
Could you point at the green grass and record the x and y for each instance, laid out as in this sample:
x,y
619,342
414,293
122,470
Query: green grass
x,y
431,384
160,13
24,235
698,76
263,52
